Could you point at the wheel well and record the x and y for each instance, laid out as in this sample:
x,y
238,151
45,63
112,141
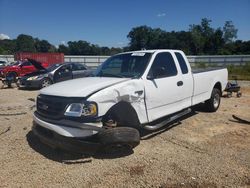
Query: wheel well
x,y
218,86
124,113
12,72
48,78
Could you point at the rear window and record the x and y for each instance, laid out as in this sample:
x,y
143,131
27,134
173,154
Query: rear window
x,y
182,63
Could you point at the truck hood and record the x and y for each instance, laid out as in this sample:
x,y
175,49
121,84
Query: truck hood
x,y
81,87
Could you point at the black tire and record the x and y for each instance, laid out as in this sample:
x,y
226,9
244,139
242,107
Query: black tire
x,y
46,82
126,137
12,76
213,103
239,94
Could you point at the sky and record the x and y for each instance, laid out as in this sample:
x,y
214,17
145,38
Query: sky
x,y
107,23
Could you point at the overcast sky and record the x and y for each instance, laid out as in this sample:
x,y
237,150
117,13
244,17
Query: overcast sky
x,y
107,23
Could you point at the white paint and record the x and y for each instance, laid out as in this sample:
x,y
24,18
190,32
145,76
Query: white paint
x,y
81,87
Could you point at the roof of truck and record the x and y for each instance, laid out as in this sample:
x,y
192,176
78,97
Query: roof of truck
x,y
152,51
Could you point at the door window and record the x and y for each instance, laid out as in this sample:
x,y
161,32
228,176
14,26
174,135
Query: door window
x,y
64,69
163,66
78,67
182,63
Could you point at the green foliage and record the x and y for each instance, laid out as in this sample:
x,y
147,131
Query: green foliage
x,y
241,72
25,43
201,39
200,65
42,45
230,32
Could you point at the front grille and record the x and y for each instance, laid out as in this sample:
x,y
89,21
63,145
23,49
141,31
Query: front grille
x,y
53,107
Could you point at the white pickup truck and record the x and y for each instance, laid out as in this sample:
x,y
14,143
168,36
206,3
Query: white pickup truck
x,y
129,92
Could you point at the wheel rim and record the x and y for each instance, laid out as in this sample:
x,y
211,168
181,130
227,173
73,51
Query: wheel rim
x,y
46,83
216,100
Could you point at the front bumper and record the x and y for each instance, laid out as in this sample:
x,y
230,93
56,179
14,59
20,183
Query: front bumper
x,y
29,83
75,145
67,135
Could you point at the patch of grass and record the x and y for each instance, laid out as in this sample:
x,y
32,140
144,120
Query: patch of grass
x,y
241,72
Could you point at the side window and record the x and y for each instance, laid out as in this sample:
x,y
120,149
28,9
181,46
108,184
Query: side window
x,y
26,63
64,69
78,66
163,66
182,63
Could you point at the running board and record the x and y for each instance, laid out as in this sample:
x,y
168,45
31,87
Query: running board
x,y
163,123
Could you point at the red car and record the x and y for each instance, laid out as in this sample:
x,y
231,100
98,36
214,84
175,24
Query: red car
x,y
20,68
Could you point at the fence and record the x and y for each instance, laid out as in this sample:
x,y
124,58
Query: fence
x,y
94,61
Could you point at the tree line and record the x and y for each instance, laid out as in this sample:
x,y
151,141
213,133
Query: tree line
x,y
200,39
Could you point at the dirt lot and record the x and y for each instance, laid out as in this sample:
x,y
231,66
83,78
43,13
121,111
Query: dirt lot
x,y
204,150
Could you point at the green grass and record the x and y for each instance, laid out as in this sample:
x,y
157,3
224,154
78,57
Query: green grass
x,y
241,72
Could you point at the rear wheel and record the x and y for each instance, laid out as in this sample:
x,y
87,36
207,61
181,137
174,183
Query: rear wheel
x,y
213,103
46,82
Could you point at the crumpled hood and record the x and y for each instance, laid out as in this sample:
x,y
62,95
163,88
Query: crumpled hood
x,y
81,87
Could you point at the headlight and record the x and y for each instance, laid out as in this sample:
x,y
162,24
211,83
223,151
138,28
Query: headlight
x,y
33,78
79,109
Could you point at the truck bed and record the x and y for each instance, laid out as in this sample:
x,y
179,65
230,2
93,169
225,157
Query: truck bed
x,y
200,70
204,80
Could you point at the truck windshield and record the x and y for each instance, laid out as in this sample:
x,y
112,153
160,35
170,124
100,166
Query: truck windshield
x,y
129,65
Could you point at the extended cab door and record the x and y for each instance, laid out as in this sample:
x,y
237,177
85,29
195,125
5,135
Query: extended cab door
x,y
187,78
164,87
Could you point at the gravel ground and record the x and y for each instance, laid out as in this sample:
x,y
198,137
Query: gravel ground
x,y
203,150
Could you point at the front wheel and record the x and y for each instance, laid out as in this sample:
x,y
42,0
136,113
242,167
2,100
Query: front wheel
x,y
213,103
119,137
46,82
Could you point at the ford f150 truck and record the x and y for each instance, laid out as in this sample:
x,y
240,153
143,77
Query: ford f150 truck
x,y
130,91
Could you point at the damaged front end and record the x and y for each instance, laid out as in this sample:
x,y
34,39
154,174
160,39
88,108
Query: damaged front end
x,y
67,123
62,121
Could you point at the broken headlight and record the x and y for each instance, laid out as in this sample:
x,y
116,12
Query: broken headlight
x,y
79,109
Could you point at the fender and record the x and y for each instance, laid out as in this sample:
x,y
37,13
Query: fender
x,y
131,91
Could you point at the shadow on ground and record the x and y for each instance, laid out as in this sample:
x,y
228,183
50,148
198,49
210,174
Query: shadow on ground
x,y
75,158
69,157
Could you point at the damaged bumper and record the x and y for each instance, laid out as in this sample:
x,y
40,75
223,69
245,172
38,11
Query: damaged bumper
x,y
80,138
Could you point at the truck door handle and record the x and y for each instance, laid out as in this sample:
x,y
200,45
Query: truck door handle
x,y
180,83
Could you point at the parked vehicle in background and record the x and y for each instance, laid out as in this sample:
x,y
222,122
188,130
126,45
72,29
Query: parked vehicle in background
x,y
20,68
3,64
131,91
53,74
50,58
